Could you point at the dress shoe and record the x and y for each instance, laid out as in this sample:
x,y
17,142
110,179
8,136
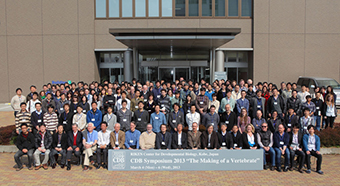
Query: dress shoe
x,y
319,171
264,167
285,169
272,168
279,169
97,166
37,167
30,167
300,171
53,166
104,166
291,168
308,171
62,166
45,166
68,167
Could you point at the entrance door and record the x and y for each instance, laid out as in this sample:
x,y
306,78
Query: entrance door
x,y
172,74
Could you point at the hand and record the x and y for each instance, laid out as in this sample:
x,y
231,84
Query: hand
x,y
143,148
194,148
205,148
17,131
325,117
317,152
176,129
307,152
282,152
283,114
77,149
70,148
116,148
43,150
288,130
102,146
37,128
88,146
130,148
300,149
39,149
269,115
24,150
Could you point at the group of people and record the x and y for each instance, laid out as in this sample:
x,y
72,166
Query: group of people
x,y
81,119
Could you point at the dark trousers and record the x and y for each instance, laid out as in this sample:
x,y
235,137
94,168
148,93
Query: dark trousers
x,y
99,155
318,162
55,152
20,153
330,122
301,156
76,153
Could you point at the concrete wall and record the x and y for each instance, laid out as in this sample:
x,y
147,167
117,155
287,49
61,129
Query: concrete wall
x,y
41,38
296,38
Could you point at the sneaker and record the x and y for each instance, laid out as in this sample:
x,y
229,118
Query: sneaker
x,y
97,166
319,171
308,171
68,167
291,168
285,169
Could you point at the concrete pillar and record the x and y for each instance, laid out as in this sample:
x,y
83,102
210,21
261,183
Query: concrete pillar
x,y
219,61
135,63
127,66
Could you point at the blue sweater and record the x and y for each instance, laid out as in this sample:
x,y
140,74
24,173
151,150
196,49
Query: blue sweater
x,y
277,139
305,142
95,118
157,120
132,138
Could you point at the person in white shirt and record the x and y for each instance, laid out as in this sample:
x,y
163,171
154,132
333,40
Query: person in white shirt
x,y
80,119
303,93
103,145
17,100
119,102
236,94
192,117
31,103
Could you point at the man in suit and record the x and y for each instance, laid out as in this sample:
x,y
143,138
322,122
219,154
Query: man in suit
x,y
59,146
194,137
276,103
179,138
163,138
237,138
175,117
117,138
74,143
291,119
224,138
209,139
228,118
295,147
257,103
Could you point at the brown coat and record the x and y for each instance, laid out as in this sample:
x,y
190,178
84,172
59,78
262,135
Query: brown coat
x,y
121,139
194,139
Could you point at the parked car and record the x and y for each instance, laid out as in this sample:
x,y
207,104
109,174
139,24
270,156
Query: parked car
x,y
313,82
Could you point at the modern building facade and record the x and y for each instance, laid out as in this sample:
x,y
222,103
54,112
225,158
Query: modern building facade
x,y
267,40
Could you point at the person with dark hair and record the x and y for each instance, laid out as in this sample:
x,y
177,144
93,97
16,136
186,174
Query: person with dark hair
x,y
175,117
329,110
274,122
103,145
295,147
330,91
228,100
310,105
303,93
257,103
119,104
94,116
202,102
150,104
110,118
163,138
31,103
29,96
242,103
294,102
157,119
23,117
179,138
37,118
66,117
84,104
124,116
318,109
50,119
60,104
48,101
209,138
291,119
109,100
59,146
215,102
25,143
157,91
224,138
281,142
311,146
43,142
305,121
211,118
164,103
17,100
276,103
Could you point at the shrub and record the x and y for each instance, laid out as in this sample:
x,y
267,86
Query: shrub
x,y
6,134
330,137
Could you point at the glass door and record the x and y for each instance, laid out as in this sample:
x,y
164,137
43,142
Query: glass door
x,y
182,72
166,74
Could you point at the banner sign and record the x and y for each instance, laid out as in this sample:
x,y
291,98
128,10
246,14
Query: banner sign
x,y
180,160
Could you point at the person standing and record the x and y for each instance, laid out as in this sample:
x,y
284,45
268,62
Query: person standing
x,y
329,110
17,100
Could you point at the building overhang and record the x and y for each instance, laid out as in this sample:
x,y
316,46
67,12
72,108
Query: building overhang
x,y
174,38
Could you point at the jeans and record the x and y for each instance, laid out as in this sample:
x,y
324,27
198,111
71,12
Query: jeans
x,y
317,120
20,153
272,156
301,156
37,156
55,152
278,157
99,155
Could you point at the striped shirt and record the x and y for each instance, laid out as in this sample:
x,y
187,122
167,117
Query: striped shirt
x,y
23,117
51,121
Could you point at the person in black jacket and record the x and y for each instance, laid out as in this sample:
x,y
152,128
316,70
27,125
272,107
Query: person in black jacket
x,y
59,145
163,139
295,103
141,117
222,93
74,144
291,119
224,138
175,117
179,138
295,147
276,103
209,139
109,100
249,139
65,118
228,118
25,143
43,143
37,118
237,138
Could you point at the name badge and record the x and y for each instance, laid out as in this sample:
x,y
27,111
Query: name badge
x,y
162,105
258,106
226,122
242,107
24,120
163,143
124,120
188,111
117,143
208,144
131,141
149,110
174,121
275,103
91,142
139,119
212,124
201,102
319,113
289,125
93,119
145,100
305,128
282,143
39,120
84,111
64,122
75,111
61,108
59,145
110,101
235,145
158,96
223,144
317,108
156,118
136,106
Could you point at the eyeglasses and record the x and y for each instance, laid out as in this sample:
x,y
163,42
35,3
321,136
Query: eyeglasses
x,y
264,126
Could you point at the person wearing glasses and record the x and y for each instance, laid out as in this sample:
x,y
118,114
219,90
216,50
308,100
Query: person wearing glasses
x,y
265,141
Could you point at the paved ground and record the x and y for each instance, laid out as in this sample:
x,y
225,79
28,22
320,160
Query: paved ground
x,y
58,176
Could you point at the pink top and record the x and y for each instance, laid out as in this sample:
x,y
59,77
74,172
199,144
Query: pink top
x,y
241,125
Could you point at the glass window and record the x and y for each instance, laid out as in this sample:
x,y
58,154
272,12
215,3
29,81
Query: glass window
x,y
232,74
231,56
127,8
193,7
166,8
153,8
113,8
100,8
242,73
104,74
117,74
206,7
180,7
115,58
148,74
140,8
106,58
242,57
246,8
219,7
232,7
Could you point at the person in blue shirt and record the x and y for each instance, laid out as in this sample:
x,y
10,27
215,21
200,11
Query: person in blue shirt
x,y
90,139
132,137
311,146
209,93
242,103
157,119
94,116
281,142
